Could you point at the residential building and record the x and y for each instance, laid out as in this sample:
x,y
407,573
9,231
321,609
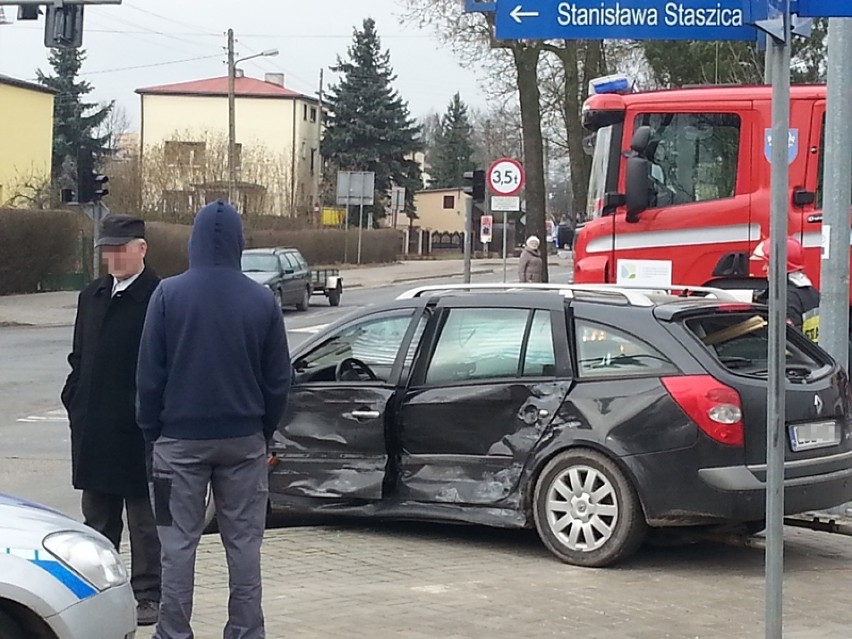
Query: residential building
x,y
26,110
184,142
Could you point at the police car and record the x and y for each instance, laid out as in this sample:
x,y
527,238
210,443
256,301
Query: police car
x,y
59,579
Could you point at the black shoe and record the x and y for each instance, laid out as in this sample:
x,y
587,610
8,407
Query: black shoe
x,y
147,613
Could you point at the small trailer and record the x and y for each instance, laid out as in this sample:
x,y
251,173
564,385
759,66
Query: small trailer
x,y
328,282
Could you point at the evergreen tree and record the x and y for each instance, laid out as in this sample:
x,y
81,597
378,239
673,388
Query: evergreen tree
x,y
453,149
369,127
75,122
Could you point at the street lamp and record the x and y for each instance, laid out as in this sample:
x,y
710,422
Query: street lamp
x,y
232,126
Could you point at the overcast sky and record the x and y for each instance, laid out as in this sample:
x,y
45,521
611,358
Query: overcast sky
x,y
309,35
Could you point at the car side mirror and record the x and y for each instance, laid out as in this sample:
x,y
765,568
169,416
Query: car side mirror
x,y
300,365
639,187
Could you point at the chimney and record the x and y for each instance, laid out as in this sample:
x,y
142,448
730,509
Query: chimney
x,y
274,78
239,73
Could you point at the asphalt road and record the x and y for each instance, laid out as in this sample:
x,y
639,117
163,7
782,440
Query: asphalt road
x,y
34,438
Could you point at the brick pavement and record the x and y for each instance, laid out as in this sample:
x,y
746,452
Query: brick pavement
x,y
421,581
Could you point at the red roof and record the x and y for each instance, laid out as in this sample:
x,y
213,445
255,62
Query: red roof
x,y
245,87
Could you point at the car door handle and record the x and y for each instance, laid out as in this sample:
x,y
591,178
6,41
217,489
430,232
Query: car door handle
x,y
365,414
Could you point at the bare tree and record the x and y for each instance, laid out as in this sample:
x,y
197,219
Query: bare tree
x,y
191,168
30,190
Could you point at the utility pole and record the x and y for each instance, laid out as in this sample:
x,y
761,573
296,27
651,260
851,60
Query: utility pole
x,y
837,195
232,122
318,167
779,68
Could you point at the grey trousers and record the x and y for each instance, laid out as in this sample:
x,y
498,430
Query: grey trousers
x,y
237,470
103,512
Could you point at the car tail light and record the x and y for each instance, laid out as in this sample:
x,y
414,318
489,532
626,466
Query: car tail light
x,y
714,407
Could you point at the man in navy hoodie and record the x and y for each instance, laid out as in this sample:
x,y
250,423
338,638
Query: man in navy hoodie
x,y
213,378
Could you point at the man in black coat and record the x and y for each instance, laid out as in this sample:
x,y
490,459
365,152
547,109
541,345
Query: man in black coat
x,y
108,452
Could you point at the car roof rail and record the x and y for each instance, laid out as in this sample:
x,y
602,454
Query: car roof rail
x,y
634,295
635,298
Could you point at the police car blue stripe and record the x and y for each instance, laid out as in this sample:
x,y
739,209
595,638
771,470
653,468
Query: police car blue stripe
x,y
69,579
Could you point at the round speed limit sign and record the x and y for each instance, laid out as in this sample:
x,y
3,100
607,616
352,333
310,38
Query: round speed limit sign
x,y
505,177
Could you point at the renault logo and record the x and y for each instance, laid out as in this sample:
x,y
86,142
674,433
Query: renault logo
x,y
818,404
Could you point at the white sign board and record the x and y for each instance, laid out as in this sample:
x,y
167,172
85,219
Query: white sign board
x,y
505,203
505,177
650,273
355,187
398,198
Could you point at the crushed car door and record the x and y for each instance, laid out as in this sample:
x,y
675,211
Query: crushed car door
x,y
486,387
331,444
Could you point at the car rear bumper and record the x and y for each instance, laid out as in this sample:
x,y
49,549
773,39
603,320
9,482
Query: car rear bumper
x,y
110,614
734,494
803,490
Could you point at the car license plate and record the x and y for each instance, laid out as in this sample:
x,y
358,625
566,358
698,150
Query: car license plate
x,y
813,435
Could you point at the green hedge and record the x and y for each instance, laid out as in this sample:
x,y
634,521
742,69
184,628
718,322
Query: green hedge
x,y
50,250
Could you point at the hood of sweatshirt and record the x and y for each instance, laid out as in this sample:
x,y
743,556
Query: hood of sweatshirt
x,y
217,237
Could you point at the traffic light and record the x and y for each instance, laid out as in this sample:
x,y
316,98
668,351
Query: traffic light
x,y
474,184
90,183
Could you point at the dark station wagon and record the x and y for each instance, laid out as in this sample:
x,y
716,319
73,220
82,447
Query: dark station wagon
x,y
591,413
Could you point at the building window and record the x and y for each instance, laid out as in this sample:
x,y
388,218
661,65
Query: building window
x,y
305,111
449,201
184,154
313,114
313,159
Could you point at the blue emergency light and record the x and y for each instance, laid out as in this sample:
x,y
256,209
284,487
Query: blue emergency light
x,y
618,83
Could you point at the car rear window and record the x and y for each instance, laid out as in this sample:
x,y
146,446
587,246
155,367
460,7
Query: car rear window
x,y
740,342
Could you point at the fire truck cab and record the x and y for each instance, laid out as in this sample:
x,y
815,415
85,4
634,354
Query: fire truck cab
x,y
683,176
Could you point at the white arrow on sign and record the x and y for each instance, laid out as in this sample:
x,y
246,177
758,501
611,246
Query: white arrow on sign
x,y
518,12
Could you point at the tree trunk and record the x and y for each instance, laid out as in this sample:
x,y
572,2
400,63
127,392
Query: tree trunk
x,y
576,90
526,58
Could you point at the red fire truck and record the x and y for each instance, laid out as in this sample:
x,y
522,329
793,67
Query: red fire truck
x,y
682,177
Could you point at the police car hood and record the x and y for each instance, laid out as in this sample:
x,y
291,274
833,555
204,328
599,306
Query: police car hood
x,y
21,520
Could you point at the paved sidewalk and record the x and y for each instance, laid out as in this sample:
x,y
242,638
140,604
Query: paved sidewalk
x,y
423,581
59,308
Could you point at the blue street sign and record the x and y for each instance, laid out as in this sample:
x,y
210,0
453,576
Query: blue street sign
x,y
824,8
768,15
622,19
480,6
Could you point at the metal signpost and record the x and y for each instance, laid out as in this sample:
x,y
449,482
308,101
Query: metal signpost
x,y
715,20
505,178
356,187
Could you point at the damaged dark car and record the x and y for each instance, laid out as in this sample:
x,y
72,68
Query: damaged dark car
x,y
590,414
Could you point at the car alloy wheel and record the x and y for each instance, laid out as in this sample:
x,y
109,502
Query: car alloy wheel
x,y
586,512
582,509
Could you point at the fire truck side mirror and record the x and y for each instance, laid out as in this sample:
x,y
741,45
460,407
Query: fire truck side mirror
x,y
639,187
